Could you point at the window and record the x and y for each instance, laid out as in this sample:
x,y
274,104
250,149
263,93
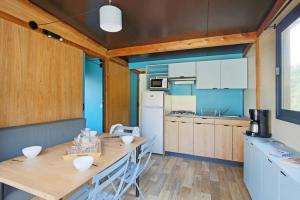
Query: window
x,y
288,68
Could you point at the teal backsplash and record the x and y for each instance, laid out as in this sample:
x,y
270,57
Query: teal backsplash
x,y
213,99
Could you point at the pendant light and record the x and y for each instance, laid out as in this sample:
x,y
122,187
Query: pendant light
x,y
110,18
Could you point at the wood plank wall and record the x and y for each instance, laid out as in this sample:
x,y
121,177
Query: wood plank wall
x,y
41,79
117,93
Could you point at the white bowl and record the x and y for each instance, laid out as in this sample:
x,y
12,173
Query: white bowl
x,y
31,152
83,163
93,133
127,139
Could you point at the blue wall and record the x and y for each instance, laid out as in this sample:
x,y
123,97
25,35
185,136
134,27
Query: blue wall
x,y
138,65
206,99
93,94
134,97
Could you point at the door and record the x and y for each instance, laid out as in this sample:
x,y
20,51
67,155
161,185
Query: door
x,y
223,142
208,74
289,189
153,99
204,139
171,136
256,172
238,143
93,94
134,99
187,69
270,180
234,73
186,137
152,124
247,162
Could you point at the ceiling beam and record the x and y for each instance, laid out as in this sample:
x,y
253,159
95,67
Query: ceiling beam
x,y
224,40
23,11
274,10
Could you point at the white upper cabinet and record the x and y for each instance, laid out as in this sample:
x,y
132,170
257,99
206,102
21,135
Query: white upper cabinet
x,y
208,74
187,69
234,73
231,74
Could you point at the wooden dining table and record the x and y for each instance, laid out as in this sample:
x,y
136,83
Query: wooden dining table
x,y
50,177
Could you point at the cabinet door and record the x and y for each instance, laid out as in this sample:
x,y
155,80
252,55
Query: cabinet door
x,y
223,142
186,137
289,189
234,73
171,136
256,174
269,180
247,162
204,139
238,143
187,69
208,74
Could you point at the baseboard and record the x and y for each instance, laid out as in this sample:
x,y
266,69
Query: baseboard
x,y
201,158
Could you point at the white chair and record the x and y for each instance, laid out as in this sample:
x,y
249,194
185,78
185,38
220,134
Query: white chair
x,y
101,181
136,169
125,130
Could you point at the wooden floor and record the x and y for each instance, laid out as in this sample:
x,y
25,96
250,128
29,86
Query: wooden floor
x,y
178,178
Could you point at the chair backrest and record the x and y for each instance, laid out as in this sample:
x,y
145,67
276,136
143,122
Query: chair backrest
x,y
127,130
144,156
106,178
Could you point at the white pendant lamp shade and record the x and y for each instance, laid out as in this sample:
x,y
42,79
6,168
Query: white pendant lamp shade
x,y
110,18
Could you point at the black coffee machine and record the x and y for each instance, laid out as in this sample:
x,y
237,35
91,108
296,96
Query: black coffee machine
x,y
259,124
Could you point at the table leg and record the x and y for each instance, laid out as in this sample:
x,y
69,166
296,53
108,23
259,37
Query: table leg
x,y
138,151
1,191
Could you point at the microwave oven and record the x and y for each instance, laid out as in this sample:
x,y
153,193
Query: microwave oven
x,y
159,83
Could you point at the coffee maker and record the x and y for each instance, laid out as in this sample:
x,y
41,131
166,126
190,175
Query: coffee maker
x,y
259,124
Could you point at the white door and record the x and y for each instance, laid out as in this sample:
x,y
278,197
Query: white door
x,y
270,180
234,73
153,99
289,189
208,74
247,162
187,69
152,125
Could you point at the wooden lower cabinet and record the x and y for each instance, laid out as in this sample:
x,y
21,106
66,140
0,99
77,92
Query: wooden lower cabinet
x,y
186,137
238,143
171,136
223,142
204,139
222,139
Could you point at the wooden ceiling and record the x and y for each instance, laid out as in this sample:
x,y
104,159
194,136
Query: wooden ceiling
x,y
155,21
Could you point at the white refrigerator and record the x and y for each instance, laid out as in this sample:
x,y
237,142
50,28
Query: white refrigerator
x,y
152,118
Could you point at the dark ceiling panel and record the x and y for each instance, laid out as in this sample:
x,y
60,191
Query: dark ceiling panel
x,y
236,16
153,21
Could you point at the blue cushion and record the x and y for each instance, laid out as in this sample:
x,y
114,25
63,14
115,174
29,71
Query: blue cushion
x,y
11,193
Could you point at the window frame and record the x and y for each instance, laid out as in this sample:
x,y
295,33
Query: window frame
x,y
283,114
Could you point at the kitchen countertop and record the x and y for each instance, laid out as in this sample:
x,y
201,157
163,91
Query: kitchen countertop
x,y
210,117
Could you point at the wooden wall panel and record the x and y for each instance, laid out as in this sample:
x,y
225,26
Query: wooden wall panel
x,y
117,93
41,78
25,11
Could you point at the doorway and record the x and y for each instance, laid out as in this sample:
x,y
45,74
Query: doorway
x,y
93,93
